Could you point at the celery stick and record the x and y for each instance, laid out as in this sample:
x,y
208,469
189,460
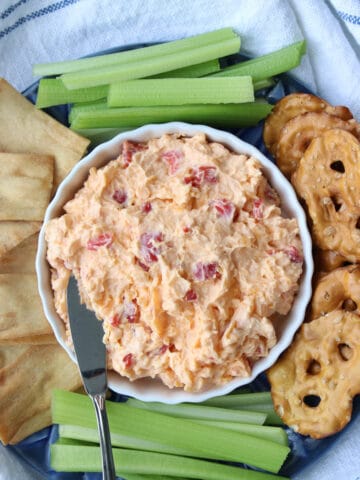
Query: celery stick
x,y
274,434
100,135
134,476
258,402
68,458
237,400
82,434
268,65
272,417
135,55
72,441
242,115
206,442
180,91
53,92
85,107
152,66
196,411
264,83
192,71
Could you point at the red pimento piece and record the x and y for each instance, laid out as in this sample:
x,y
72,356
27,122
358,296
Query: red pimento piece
x,y
225,208
103,240
163,349
270,194
149,249
120,196
200,175
206,271
115,321
258,209
146,207
260,350
210,174
187,229
128,360
191,296
131,311
293,253
128,150
141,264
173,159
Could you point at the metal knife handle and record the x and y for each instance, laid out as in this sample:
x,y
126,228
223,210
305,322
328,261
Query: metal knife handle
x,y
105,441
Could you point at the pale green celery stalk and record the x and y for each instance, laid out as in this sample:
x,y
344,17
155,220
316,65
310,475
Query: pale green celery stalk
x,y
206,442
264,83
268,65
230,115
192,71
237,400
135,55
68,458
100,135
274,434
152,66
135,476
272,417
52,91
73,441
86,107
76,433
258,402
197,411
180,91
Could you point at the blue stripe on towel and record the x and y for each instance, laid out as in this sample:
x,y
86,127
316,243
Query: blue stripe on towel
x,y
12,8
53,7
349,18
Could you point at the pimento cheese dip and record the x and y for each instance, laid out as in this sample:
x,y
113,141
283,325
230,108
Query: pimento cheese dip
x,y
180,247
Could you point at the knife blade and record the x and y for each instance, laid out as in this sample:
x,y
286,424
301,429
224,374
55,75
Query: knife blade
x,y
87,334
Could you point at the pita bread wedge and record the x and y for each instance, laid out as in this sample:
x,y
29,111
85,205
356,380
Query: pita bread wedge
x,y
13,233
26,388
21,313
20,259
47,339
24,128
26,182
10,353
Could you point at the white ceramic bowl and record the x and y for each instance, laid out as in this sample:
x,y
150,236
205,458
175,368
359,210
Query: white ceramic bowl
x,y
153,390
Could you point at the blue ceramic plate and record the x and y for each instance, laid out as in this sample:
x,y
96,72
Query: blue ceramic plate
x,y
34,450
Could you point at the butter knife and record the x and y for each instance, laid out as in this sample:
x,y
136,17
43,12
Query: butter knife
x,y
87,333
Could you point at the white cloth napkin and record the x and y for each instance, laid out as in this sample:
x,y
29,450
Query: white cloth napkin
x,y
33,31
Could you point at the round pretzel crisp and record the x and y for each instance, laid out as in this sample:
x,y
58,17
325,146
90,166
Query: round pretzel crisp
x,y
327,260
292,105
298,132
338,290
328,179
314,381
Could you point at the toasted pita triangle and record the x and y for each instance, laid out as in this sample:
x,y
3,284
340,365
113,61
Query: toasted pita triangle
x,y
20,259
26,386
47,339
10,353
26,182
13,233
26,129
21,313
